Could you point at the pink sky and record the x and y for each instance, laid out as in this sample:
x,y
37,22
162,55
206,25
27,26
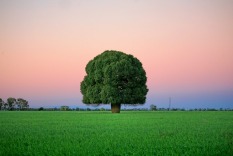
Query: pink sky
x,y
186,47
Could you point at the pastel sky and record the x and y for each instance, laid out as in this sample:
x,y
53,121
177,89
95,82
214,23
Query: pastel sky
x,y
186,48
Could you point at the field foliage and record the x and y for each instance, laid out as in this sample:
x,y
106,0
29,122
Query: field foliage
x,y
127,133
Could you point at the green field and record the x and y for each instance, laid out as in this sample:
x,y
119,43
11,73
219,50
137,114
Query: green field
x,y
127,133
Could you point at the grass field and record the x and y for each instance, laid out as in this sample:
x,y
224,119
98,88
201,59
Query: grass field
x,y
127,133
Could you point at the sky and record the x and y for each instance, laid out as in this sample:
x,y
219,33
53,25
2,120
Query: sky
x,y
186,48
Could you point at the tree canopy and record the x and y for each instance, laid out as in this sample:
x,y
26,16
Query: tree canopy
x,y
114,77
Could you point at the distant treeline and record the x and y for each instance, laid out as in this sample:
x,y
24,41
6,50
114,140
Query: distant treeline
x,y
14,104
21,104
66,108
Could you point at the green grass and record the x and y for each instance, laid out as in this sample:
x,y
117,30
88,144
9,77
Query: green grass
x,y
127,133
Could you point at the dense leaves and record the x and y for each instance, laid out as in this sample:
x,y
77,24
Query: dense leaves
x,y
114,77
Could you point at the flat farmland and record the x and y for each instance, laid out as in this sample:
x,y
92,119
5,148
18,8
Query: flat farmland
x,y
127,133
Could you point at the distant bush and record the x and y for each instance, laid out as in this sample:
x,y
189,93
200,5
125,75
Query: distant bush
x,y
40,109
64,108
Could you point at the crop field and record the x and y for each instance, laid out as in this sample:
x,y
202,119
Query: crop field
x,y
127,133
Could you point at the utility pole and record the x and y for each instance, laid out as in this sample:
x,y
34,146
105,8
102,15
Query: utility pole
x,y
170,102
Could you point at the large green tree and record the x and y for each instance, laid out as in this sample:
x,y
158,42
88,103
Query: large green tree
x,y
115,78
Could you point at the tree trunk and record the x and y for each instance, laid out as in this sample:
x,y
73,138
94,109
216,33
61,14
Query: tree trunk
x,y
116,108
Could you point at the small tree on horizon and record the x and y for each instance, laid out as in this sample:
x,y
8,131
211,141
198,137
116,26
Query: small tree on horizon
x,y
22,104
1,104
11,103
115,78
102,109
41,109
64,108
153,107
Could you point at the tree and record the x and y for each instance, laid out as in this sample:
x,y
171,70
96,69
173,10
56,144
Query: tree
x,y
64,108
1,104
102,109
115,78
5,106
22,104
11,103
153,107
41,109
25,105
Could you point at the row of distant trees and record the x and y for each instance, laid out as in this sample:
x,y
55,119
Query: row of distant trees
x,y
21,104
14,104
152,108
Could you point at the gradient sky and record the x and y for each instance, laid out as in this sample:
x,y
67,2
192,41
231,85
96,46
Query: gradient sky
x,y
186,48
